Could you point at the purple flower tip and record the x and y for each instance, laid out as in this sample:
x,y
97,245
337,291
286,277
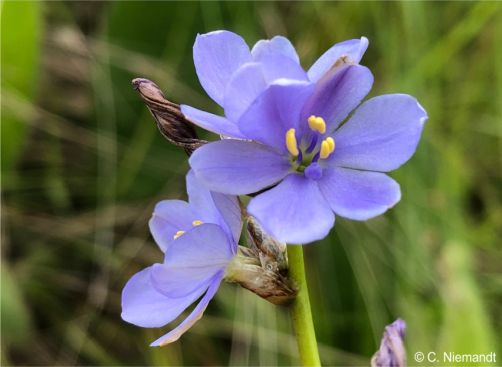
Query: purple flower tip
x,y
392,352
400,326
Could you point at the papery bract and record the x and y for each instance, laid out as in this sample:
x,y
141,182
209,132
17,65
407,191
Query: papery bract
x,y
285,131
199,239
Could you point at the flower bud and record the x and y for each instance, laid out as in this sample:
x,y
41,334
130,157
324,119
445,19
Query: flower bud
x,y
177,129
391,352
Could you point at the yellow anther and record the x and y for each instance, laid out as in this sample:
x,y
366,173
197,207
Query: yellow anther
x,y
291,143
331,143
325,150
179,233
317,124
197,223
312,122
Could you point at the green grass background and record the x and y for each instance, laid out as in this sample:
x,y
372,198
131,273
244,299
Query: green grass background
x,y
83,166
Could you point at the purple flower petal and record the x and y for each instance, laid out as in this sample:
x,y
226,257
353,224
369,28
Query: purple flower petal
x,y
176,283
201,201
246,84
144,306
276,111
238,167
277,45
358,195
204,246
282,67
381,135
192,259
294,211
253,78
217,55
354,49
230,211
214,123
211,207
194,316
169,217
338,93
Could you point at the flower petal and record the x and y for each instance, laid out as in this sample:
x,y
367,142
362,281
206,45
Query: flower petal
x,y
338,93
177,283
217,55
230,210
144,306
354,49
381,135
294,211
169,217
246,84
358,195
282,67
192,259
214,123
212,207
238,167
204,246
276,45
201,201
276,111
253,78
194,316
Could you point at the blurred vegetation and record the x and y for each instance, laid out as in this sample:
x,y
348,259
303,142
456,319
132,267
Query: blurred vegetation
x,y
83,165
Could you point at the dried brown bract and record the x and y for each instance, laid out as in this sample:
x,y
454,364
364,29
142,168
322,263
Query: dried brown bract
x,y
177,129
262,267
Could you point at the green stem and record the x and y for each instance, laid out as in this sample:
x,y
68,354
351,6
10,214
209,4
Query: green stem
x,y
301,314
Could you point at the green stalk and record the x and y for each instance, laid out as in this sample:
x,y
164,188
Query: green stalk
x,y
301,314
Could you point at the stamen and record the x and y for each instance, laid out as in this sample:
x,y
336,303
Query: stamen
x,y
299,158
291,143
316,157
313,143
179,233
197,223
325,150
331,143
317,124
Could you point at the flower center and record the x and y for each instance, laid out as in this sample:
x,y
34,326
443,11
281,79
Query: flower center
x,y
315,150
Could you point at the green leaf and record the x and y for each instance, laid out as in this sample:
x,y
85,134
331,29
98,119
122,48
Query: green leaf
x,y
21,29
15,316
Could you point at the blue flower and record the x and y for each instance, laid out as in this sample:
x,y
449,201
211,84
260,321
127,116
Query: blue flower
x,y
290,132
199,239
